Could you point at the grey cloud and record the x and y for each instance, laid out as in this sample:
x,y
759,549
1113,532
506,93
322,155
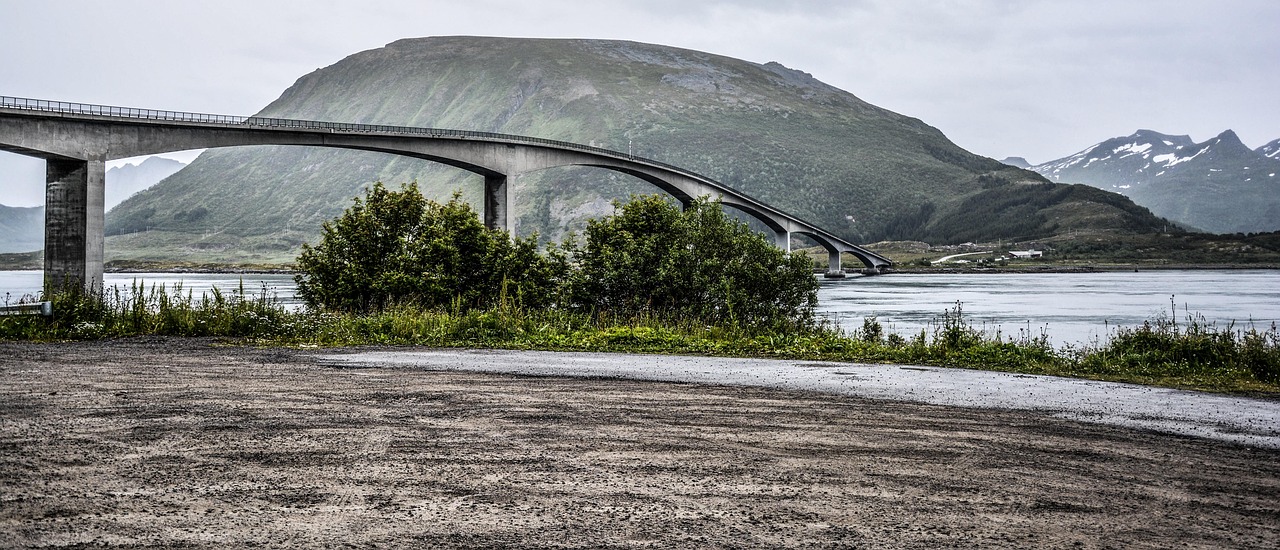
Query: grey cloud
x,y
1037,78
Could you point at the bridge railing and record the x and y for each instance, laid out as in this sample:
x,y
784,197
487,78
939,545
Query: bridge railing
x,y
119,112
269,122
45,105
290,123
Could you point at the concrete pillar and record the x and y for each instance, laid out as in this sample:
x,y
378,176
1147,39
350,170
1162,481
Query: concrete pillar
x,y
497,204
783,240
73,222
833,266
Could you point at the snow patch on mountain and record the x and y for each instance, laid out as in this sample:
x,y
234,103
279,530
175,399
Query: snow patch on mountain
x,y
1133,149
1181,160
1270,150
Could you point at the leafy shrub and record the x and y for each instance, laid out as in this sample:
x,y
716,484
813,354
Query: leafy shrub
x,y
695,263
651,257
397,247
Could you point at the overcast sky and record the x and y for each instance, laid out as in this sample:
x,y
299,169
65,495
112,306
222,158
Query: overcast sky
x,y
1031,78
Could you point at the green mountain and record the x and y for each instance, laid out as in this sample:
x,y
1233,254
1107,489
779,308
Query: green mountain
x,y
775,133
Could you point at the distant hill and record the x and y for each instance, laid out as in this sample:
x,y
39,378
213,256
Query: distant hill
x,y
1018,162
124,181
21,229
778,134
1220,185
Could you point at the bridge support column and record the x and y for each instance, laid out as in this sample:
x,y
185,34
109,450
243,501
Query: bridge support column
x,y
497,204
834,271
783,240
73,222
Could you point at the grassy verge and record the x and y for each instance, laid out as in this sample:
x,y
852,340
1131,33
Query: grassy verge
x,y
1162,352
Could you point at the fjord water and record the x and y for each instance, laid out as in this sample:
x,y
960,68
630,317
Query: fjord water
x,y
1072,308
15,284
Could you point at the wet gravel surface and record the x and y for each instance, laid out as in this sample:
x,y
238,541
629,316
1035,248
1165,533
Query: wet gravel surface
x,y
1249,421
183,443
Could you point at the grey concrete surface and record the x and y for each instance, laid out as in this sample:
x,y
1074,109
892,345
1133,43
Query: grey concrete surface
x,y
74,221
1246,421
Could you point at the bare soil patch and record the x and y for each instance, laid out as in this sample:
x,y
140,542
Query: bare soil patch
x,y
183,443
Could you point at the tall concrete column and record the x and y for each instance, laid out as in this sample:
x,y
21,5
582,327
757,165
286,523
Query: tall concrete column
x,y
833,266
73,221
783,240
497,204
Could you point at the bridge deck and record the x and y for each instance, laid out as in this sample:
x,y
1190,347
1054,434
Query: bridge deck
x,y
174,130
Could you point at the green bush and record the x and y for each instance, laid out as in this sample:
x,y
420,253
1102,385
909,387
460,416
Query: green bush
x,y
399,248
396,248
652,257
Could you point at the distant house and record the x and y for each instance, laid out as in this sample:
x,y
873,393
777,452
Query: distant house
x,y
1026,254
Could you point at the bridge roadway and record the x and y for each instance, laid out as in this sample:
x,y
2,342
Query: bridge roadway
x,y
76,140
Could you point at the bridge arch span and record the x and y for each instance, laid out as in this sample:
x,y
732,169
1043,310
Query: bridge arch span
x,y
76,140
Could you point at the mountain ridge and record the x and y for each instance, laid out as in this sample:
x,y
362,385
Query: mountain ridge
x,y
124,181
1219,185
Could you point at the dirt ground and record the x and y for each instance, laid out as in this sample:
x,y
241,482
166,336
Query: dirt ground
x,y
164,443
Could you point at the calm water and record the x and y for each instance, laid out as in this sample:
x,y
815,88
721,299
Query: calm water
x,y
14,284
1069,307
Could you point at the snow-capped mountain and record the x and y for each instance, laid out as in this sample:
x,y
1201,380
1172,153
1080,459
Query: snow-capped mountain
x,y
1219,185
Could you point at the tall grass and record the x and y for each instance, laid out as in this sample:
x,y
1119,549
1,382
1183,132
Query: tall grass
x,y
151,310
1193,354
1196,351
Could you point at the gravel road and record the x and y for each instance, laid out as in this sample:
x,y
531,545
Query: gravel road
x,y
187,443
1248,421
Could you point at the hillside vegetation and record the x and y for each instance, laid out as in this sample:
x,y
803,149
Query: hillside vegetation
x,y
778,134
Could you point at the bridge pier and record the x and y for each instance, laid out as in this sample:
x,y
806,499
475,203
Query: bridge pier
x,y
783,240
497,203
834,271
73,223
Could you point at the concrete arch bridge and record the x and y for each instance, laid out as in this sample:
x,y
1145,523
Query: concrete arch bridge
x,y
76,140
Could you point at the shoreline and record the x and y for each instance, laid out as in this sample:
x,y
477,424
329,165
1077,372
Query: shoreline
x,y
1107,268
